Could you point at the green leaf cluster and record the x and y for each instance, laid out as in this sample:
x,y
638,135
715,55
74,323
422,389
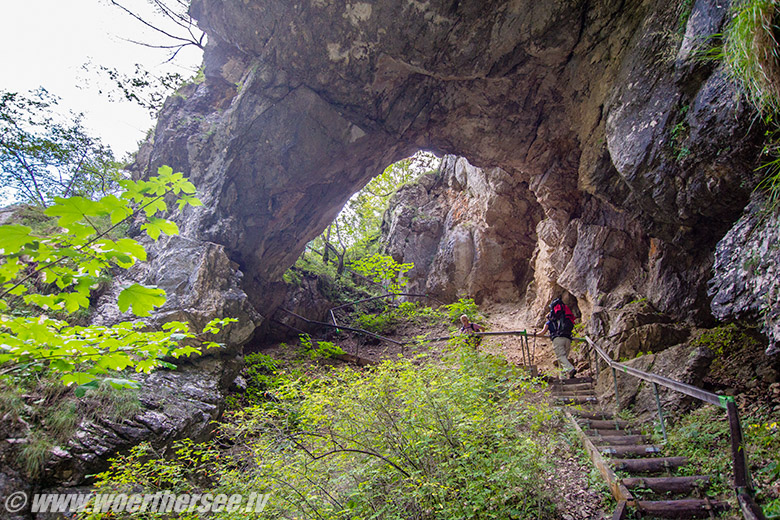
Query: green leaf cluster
x,y
704,437
464,306
55,273
44,155
355,232
405,312
383,269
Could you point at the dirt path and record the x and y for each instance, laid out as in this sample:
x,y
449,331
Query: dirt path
x,y
506,317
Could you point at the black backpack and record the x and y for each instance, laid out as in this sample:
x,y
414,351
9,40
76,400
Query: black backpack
x,y
560,324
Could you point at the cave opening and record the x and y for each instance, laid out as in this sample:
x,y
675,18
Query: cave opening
x,y
358,229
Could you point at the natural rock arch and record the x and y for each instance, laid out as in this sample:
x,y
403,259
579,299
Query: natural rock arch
x,y
622,134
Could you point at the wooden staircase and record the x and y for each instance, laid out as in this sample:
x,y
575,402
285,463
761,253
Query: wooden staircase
x,y
652,488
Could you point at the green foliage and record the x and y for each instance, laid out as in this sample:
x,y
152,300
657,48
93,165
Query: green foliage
x,y
418,313
684,13
360,220
44,155
33,453
141,87
56,272
751,52
381,323
679,134
384,270
406,312
354,234
402,440
724,340
463,306
51,412
703,436
323,349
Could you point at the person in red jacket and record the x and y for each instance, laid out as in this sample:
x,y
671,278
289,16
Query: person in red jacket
x,y
560,323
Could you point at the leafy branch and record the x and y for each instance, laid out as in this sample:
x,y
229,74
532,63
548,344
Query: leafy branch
x,y
68,264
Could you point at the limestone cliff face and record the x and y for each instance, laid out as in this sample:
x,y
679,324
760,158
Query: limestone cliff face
x,y
469,232
746,280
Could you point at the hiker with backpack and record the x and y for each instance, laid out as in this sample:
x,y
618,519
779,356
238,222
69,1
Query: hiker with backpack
x,y
560,323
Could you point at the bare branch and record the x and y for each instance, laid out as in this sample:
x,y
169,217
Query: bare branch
x,y
188,41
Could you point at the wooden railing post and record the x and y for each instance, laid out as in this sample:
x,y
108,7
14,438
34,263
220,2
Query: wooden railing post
x,y
743,486
742,483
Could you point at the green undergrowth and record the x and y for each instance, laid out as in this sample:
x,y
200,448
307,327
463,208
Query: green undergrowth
x,y
395,314
464,436
387,319
703,437
42,413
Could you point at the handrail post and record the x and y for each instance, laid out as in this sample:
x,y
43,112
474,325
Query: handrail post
x,y
738,454
617,397
743,486
660,410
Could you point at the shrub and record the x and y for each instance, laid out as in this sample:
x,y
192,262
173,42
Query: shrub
x,y
463,306
401,440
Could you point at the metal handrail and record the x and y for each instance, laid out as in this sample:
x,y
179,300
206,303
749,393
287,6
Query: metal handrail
x,y
743,485
698,393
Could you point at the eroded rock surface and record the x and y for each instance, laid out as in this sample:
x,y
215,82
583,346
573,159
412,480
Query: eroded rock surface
x,y
746,281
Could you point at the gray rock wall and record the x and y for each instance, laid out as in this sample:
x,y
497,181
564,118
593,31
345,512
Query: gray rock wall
x,y
746,279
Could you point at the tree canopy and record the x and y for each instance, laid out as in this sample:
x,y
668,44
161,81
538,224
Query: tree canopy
x,y
45,154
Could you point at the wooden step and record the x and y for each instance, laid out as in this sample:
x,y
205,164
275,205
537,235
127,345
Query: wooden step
x,y
596,424
669,484
585,414
579,393
616,439
576,400
611,433
686,508
653,465
623,440
574,387
638,450
571,381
